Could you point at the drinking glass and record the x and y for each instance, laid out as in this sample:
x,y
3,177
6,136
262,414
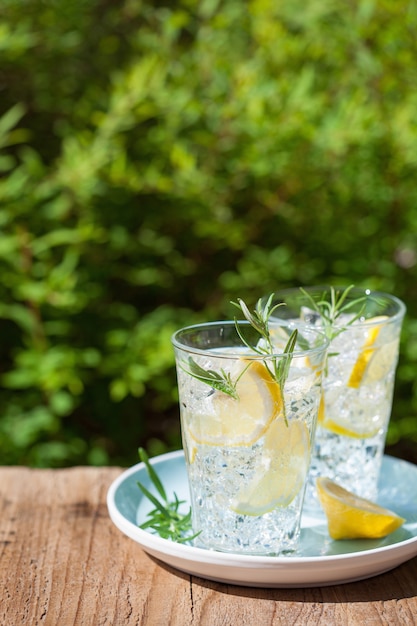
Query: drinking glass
x,y
363,328
247,423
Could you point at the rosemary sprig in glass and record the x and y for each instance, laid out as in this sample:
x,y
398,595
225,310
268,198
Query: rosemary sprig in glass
x,y
165,519
222,381
330,309
259,319
277,366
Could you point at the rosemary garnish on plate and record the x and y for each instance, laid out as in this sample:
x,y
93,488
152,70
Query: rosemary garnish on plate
x,y
165,519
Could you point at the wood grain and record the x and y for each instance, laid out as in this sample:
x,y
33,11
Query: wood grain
x,y
63,563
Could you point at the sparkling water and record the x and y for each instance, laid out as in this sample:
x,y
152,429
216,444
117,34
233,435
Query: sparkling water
x,y
216,476
217,473
359,411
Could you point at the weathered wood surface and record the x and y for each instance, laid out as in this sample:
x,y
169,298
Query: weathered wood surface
x,y
63,563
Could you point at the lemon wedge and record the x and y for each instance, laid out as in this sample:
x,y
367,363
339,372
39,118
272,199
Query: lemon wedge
x,y
321,416
359,429
190,448
367,351
372,364
352,517
240,422
362,432
344,426
282,470
383,362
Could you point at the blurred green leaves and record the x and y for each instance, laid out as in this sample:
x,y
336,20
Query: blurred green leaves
x,y
158,160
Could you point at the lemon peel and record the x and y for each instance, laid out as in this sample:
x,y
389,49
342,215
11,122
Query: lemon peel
x,y
371,365
352,517
366,352
382,363
243,421
190,448
282,470
345,427
362,432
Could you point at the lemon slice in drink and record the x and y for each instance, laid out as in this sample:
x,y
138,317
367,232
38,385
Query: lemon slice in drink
x,y
190,447
382,363
282,469
279,337
366,353
243,421
361,432
360,429
352,517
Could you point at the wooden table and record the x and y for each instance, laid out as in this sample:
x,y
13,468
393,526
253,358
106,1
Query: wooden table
x,y
63,562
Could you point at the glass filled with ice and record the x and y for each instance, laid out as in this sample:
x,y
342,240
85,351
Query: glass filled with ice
x,y
248,418
363,328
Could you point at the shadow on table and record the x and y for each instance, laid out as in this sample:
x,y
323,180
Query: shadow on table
x,y
396,584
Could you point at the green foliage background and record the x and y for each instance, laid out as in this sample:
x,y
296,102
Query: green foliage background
x,y
159,159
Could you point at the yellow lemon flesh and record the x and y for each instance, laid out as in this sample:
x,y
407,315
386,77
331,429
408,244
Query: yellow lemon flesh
x,y
366,353
243,421
282,469
344,427
383,362
352,517
190,448
372,364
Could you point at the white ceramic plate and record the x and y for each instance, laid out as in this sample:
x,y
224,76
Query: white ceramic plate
x,y
320,561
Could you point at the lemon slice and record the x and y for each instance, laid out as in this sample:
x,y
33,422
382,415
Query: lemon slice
x,y
321,416
366,353
240,422
344,426
190,448
382,363
352,517
279,338
282,470
359,429
361,432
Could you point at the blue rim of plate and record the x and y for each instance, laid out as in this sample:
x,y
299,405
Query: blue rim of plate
x,y
398,491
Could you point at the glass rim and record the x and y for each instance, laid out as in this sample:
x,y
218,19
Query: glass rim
x,y
399,314
319,333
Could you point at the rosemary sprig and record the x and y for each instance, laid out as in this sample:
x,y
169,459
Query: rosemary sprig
x,y
331,309
277,366
259,320
165,519
222,381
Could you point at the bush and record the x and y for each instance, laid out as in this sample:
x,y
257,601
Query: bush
x,y
162,158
